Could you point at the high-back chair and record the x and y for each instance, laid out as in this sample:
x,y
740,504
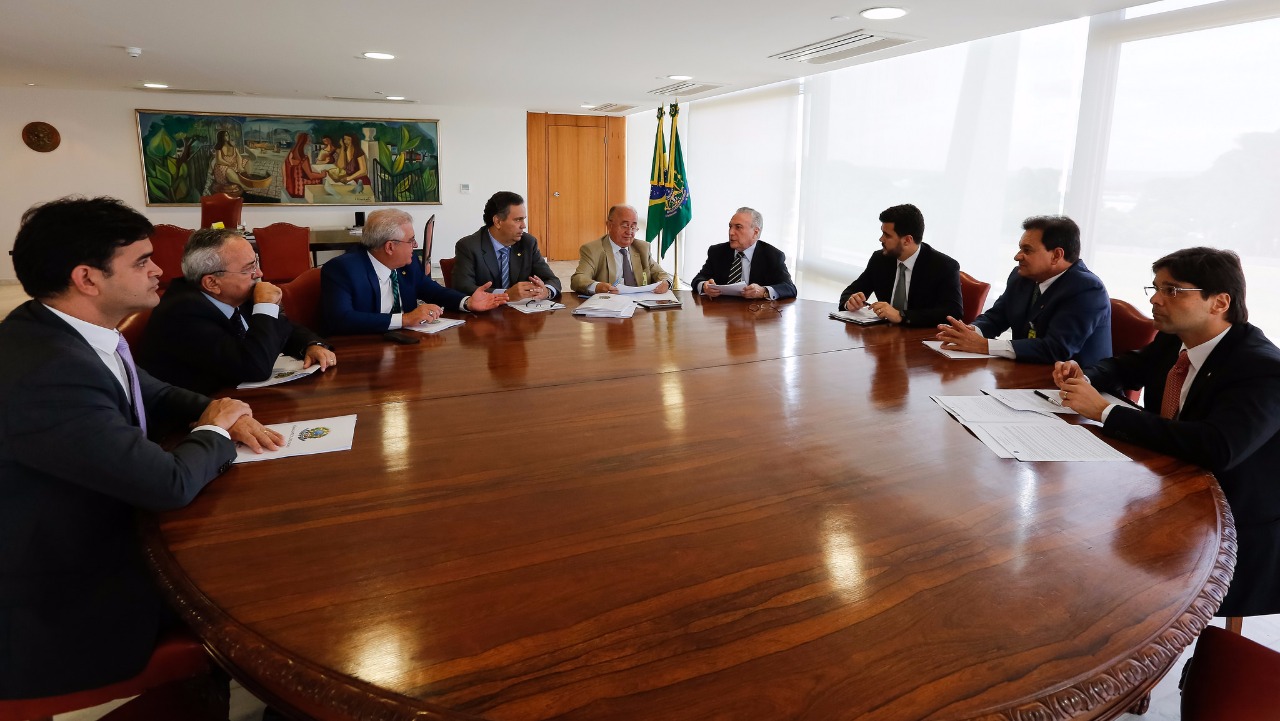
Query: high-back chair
x,y
1130,330
301,299
220,207
446,272
284,250
974,294
428,231
133,326
1231,678
167,242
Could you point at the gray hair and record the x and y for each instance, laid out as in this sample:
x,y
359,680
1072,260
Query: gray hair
x,y
620,206
202,255
382,226
756,219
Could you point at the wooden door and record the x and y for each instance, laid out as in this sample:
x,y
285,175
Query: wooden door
x,y
577,202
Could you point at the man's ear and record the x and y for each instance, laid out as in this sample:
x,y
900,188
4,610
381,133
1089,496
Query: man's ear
x,y
210,284
84,279
1220,303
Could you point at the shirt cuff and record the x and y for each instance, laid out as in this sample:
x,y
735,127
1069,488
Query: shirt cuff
x,y
1107,411
551,292
701,286
773,294
1000,347
270,309
216,429
397,321
462,305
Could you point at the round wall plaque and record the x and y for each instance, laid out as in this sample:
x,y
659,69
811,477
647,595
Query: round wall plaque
x,y
41,137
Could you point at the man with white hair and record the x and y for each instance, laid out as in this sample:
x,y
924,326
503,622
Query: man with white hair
x,y
617,258
746,259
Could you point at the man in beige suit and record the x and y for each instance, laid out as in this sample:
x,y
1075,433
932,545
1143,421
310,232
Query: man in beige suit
x,y
608,261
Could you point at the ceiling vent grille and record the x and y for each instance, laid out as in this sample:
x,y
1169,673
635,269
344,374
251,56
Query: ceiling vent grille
x,y
684,88
382,101
189,91
843,47
612,108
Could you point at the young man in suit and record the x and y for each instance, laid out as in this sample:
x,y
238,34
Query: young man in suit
x,y
79,608
220,324
383,286
913,283
502,255
746,258
1057,309
608,260
1212,385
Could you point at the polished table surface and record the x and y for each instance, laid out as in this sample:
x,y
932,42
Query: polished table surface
x,y
704,513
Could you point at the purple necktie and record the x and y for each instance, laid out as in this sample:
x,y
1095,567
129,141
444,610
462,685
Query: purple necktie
x,y
135,389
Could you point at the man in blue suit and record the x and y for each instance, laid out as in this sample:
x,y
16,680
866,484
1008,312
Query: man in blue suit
x,y
357,292
1057,309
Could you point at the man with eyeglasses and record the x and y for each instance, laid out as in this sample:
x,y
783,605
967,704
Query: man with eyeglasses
x,y
384,286
1212,385
1056,308
617,258
77,417
220,324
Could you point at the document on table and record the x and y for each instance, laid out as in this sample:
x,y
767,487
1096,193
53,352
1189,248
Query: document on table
x,y
732,289
861,316
669,295
987,409
435,326
1045,400
286,369
1054,441
306,438
937,345
529,305
606,305
624,289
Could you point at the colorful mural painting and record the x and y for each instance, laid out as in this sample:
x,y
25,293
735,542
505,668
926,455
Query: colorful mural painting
x,y
288,159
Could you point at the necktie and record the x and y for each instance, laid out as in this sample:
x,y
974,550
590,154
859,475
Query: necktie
x,y
135,389
628,276
237,322
1173,386
735,270
395,294
504,262
899,301
1031,308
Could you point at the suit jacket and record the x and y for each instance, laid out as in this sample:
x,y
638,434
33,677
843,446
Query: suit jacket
x,y
597,264
768,268
476,263
189,342
1229,424
935,286
350,299
1072,319
78,608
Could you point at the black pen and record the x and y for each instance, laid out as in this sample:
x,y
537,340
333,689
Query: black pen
x,y
1056,401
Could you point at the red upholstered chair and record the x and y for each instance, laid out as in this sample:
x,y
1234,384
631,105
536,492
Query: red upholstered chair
x,y
284,251
220,207
178,657
1231,678
133,326
301,299
1130,330
446,272
974,293
167,242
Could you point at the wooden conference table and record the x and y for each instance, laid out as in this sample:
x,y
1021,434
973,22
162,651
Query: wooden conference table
x,y
705,513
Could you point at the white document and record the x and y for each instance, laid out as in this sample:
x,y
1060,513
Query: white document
x,y
861,316
733,289
286,369
1044,442
637,297
937,345
529,305
624,289
986,409
607,305
435,326
306,438
1046,400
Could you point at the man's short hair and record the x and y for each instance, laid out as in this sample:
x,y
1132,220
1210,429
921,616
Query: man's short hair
x,y
57,236
907,220
382,226
1057,231
500,205
756,219
615,208
1213,271
202,255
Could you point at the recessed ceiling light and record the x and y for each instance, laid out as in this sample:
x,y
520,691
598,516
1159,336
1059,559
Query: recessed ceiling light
x,y
883,13
380,56
31,85
395,97
588,106
155,86
839,18
679,77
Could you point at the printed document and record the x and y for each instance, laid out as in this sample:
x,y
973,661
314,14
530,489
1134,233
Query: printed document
x,y
286,369
937,345
305,438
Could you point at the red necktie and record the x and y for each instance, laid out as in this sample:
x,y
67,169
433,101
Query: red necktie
x,y
1173,386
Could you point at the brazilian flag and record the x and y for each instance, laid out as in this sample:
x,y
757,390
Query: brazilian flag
x,y
679,211
657,186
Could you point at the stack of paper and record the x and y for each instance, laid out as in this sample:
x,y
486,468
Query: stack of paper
x,y
861,316
1024,434
606,305
529,305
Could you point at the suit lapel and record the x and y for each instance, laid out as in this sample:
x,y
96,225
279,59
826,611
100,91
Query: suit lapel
x,y
490,258
375,283
1205,379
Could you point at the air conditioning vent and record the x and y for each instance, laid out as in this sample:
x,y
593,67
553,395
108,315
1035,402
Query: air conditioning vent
x,y
612,108
684,88
189,91
382,101
858,42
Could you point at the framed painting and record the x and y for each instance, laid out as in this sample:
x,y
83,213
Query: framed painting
x,y
285,159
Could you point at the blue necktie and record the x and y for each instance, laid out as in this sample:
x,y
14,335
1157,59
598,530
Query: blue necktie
x,y
504,262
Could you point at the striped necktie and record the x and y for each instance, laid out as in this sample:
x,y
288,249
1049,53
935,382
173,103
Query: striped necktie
x,y
735,270
504,262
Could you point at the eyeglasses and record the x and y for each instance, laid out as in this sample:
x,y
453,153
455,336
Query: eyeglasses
x,y
413,242
771,305
253,268
1168,291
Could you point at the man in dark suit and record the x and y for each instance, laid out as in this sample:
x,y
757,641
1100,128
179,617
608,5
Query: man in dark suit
x,y
357,292
746,259
501,254
78,608
1057,309
1212,385
220,324
913,283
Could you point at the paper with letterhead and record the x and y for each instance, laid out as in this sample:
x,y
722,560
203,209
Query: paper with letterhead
x,y
306,438
286,369
937,345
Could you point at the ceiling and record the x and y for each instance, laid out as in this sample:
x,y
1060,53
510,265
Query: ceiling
x,y
541,55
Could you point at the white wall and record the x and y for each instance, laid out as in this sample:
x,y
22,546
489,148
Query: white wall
x,y
484,147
